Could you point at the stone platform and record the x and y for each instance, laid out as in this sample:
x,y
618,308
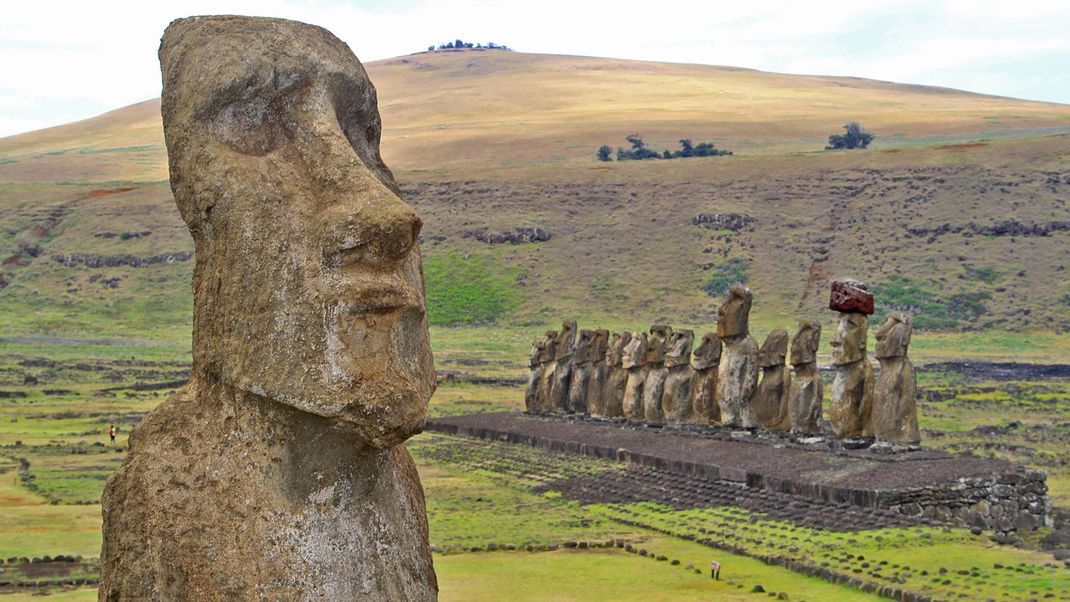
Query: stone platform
x,y
963,490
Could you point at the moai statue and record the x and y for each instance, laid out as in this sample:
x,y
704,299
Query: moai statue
x,y
562,373
654,387
581,373
616,375
806,390
771,398
852,388
737,375
597,380
634,361
704,364
895,409
546,378
278,472
537,366
676,399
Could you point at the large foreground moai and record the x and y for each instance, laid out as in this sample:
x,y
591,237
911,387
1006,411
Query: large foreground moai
x,y
806,390
654,387
616,375
852,388
596,380
634,362
704,366
581,373
738,372
895,409
770,400
560,371
676,397
277,472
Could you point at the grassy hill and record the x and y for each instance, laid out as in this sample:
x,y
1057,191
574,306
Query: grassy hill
x,y
957,212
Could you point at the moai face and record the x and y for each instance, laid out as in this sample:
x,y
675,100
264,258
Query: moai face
x,y
308,286
708,354
773,349
734,313
679,352
566,340
804,345
849,342
656,344
549,346
615,350
583,347
894,336
635,351
538,347
598,346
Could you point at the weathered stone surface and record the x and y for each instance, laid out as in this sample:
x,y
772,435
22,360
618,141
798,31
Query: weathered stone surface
x,y
770,400
546,379
850,296
656,373
616,375
562,367
851,403
895,408
634,362
806,388
277,472
704,364
597,379
676,397
537,364
737,375
581,373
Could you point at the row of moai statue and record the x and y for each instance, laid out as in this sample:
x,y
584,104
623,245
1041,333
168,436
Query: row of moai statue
x,y
657,376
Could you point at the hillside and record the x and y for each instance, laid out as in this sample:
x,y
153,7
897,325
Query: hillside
x,y
957,212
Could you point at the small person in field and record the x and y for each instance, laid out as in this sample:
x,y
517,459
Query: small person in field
x,y
111,433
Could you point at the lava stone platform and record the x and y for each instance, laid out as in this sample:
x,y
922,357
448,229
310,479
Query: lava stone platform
x,y
965,490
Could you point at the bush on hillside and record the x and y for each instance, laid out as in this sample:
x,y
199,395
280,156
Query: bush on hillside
x,y
854,137
640,151
458,43
605,153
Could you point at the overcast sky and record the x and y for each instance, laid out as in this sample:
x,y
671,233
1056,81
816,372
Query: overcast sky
x,y
63,61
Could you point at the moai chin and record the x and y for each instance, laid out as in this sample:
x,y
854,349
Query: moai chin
x,y
704,365
597,379
676,397
771,397
537,367
616,375
737,375
546,376
806,388
277,472
634,362
562,367
895,409
581,373
654,387
852,388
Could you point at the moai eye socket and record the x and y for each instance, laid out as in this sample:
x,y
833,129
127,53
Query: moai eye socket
x,y
252,126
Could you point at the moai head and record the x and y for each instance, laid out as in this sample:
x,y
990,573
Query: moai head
x,y
734,313
597,354
583,347
849,342
657,343
615,349
894,336
679,348
538,347
804,345
566,340
634,352
773,349
708,354
549,346
308,286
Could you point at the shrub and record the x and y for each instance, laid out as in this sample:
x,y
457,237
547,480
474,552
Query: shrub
x,y
604,153
854,137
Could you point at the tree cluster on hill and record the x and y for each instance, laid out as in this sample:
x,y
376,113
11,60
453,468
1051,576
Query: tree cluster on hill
x,y
854,137
639,150
459,43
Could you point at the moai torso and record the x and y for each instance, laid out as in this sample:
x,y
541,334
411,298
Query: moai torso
x,y
676,398
806,388
546,375
704,365
851,403
581,373
654,387
895,409
770,399
562,373
278,472
537,367
634,362
616,375
597,379
738,371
